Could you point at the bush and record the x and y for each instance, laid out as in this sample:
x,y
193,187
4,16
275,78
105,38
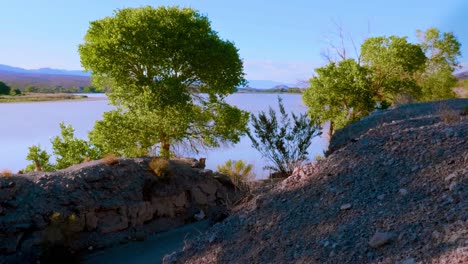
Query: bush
x,y
110,159
160,167
238,171
6,173
283,141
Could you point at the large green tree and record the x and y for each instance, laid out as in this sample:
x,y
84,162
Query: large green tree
x,y
168,73
393,63
442,52
339,93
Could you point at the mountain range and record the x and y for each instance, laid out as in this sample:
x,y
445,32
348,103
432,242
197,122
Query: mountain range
x,y
47,77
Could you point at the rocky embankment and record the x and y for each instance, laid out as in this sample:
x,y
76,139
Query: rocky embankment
x,y
101,203
393,189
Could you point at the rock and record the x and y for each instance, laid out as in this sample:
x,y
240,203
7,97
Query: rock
x,y
346,206
200,216
453,186
403,192
199,196
451,176
380,239
208,188
407,261
170,259
90,248
381,197
180,200
9,243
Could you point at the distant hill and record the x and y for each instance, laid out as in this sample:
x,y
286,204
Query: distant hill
x,y
47,77
43,71
462,75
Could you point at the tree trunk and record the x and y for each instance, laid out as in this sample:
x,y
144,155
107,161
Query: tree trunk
x,y
165,146
331,131
38,166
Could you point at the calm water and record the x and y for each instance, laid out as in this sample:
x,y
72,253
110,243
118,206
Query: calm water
x,y
26,124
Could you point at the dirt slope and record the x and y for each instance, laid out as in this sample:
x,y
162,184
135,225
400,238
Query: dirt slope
x,y
392,190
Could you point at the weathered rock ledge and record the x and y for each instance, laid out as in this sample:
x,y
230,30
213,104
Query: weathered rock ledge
x,y
94,205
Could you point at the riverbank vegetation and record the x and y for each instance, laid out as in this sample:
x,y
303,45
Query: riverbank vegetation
x,y
387,70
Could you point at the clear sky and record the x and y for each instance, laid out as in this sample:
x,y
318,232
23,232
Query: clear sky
x,y
279,40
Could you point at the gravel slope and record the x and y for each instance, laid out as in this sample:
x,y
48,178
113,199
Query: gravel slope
x,y
392,190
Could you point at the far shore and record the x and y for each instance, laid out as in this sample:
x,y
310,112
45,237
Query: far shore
x,y
46,97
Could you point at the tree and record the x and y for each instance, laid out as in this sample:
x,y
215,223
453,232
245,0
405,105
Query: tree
x,y
40,159
70,150
281,140
4,88
442,52
31,89
339,93
154,63
393,63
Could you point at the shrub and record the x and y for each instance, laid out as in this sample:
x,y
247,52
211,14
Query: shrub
x,y
160,167
447,115
110,159
284,141
6,173
238,171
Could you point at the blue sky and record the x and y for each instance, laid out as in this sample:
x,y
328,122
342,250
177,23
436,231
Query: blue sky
x,y
279,40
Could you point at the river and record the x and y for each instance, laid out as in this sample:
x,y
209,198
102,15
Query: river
x,y
32,123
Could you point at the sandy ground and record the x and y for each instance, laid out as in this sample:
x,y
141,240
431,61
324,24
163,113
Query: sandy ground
x,y
152,250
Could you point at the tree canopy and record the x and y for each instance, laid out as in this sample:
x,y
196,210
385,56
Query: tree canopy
x,y
390,68
340,93
168,73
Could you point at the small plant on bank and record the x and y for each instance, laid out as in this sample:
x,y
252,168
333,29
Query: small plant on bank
x,y
448,115
6,173
160,167
238,171
282,140
110,159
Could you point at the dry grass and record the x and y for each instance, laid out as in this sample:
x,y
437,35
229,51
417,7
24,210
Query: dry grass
x,y
6,173
160,167
110,159
448,115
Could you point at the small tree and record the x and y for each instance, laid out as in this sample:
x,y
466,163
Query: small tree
x,y
339,93
283,141
70,150
40,159
4,88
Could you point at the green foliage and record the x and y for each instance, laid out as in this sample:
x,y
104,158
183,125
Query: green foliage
x,y
393,63
70,150
149,60
15,92
238,171
31,89
393,71
40,159
283,141
4,88
442,51
340,93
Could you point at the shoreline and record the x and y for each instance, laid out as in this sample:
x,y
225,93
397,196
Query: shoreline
x,y
38,98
